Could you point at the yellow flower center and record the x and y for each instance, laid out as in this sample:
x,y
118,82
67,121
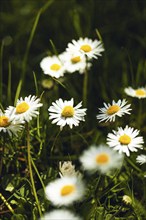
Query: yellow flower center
x,y
125,139
4,121
68,189
86,48
140,92
22,107
68,111
102,158
76,59
113,109
55,67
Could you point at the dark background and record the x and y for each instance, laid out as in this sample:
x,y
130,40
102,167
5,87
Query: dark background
x,y
121,25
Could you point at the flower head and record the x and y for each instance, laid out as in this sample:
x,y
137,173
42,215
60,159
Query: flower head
x,y
68,169
52,66
63,113
9,124
110,111
101,158
74,61
65,191
127,200
139,93
141,159
125,140
86,47
60,214
25,109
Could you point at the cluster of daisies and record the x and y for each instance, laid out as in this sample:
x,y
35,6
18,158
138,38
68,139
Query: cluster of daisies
x,y
76,57
12,119
104,158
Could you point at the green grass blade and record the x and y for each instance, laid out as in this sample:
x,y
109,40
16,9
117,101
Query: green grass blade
x,y
18,91
24,62
1,70
9,83
98,35
54,48
36,85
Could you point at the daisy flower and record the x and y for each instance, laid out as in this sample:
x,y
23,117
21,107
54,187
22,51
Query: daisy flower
x,y
125,140
86,46
63,113
127,200
141,159
60,214
110,111
101,158
138,93
52,66
65,191
25,109
9,125
73,61
68,169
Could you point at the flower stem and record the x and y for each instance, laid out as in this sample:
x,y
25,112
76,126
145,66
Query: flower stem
x,y
85,83
30,170
139,114
133,165
37,172
6,203
52,148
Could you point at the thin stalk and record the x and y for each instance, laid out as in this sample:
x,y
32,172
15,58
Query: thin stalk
x,y
30,170
9,84
24,62
133,165
54,48
2,145
116,213
37,172
131,68
36,85
7,204
25,58
1,160
139,114
52,148
1,70
98,184
85,84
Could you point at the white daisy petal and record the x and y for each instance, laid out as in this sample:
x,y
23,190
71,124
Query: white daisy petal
x,y
75,61
65,191
60,214
139,93
124,141
101,158
9,124
86,47
25,109
141,159
109,112
64,113
53,66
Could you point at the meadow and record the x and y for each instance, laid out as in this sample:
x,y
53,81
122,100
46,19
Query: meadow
x,y
72,110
